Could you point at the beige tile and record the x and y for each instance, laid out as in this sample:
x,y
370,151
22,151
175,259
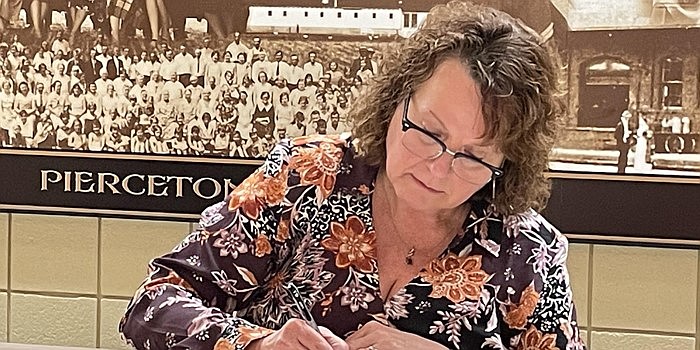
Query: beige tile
x,y
128,246
54,253
4,224
618,341
577,264
3,317
110,314
644,288
47,320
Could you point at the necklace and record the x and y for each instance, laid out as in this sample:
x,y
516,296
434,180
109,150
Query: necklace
x,y
408,257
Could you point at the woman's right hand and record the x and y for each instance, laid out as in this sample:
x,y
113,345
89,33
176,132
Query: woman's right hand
x,y
297,334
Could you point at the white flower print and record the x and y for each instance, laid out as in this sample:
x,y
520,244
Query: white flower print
x,y
170,339
212,215
226,284
395,307
231,243
470,308
356,296
193,260
147,344
524,221
423,306
508,273
197,277
451,324
540,259
202,336
494,342
515,249
153,293
148,315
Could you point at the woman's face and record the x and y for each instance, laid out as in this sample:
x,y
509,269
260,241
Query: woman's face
x,y
448,105
23,89
333,66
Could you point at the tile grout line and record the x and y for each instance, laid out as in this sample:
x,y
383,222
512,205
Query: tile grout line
x,y
589,311
643,332
98,323
9,272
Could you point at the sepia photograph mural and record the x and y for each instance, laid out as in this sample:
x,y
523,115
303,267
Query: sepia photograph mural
x,y
140,83
162,77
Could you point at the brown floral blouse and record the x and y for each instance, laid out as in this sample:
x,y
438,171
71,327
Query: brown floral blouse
x,y
304,218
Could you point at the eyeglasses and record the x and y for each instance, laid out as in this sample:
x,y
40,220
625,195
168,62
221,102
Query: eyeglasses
x,y
426,145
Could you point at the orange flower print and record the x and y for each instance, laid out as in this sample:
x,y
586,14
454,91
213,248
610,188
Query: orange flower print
x,y
533,339
276,187
256,190
352,245
248,196
457,278
318,165
223,344
363,189
262,246
282,230
516,315
249,334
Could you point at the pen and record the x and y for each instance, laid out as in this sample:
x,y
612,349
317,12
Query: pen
x,y
305,313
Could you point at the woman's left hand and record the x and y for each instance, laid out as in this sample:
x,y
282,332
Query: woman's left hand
x,y
376,336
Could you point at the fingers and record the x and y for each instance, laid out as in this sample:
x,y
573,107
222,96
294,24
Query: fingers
x,y
335,342
307,336
367,336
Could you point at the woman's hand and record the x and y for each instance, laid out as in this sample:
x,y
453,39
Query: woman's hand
x,y
376,336
297,334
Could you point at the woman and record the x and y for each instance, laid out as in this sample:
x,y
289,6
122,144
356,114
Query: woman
x,y
96,139
284,112
392,240
45,132
155,141
76,137
7,115
335,72
24,100
139,140
42,77
77,103
264,115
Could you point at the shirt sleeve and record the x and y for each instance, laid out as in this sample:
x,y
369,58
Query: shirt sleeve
x,y
553,324
190,298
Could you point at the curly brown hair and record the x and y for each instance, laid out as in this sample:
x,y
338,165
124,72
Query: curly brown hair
x,y
517,76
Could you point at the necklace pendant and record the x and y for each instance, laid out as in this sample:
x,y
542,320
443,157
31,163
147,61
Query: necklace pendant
x,y
409,256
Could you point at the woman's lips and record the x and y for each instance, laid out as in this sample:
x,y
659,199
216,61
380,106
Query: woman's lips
x,y
425,186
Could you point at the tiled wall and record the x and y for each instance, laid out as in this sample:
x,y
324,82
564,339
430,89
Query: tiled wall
x,y
67,280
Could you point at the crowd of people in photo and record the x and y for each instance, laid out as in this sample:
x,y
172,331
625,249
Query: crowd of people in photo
x,y
235,99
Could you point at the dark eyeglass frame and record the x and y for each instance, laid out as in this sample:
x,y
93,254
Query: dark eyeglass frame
x,y
406,124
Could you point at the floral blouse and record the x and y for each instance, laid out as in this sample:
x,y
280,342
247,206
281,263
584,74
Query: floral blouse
x,y
303,221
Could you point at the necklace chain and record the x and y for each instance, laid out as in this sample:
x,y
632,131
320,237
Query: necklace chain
x,y
408,257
